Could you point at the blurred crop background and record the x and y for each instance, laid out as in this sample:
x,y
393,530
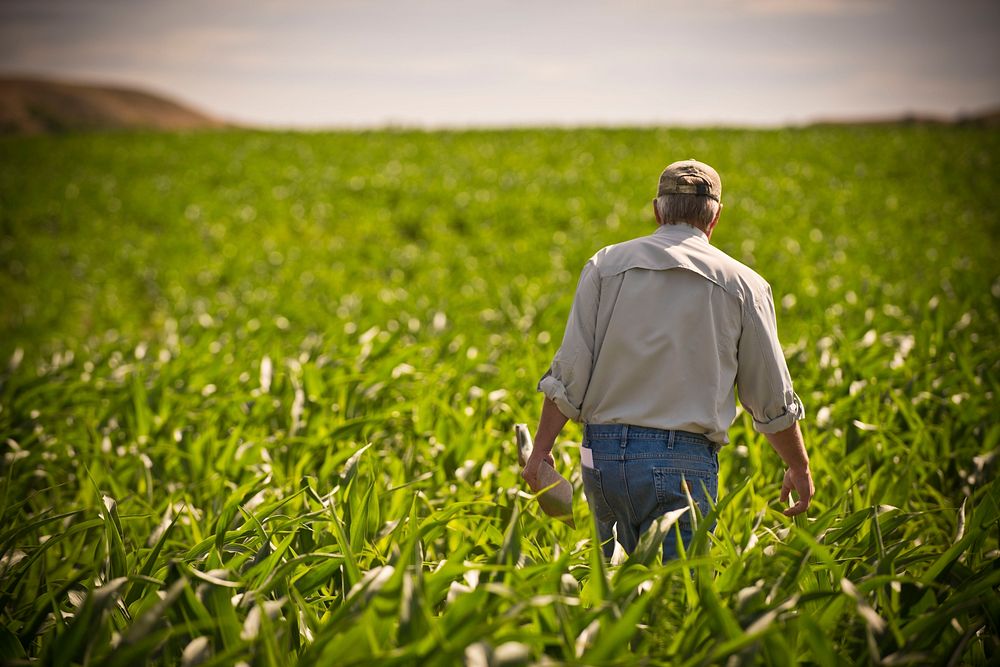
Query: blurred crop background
x,y
258,387
261,390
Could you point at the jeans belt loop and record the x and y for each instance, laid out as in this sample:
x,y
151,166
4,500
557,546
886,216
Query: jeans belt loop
x,y
670,439
624,439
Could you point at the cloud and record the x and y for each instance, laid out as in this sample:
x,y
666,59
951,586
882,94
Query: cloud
x,y
815,7
353,61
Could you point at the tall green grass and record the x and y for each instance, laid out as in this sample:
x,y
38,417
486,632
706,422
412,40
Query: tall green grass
x,y
261,388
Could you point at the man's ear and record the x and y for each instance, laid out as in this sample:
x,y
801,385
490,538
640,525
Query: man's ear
x,y
656,214
715,221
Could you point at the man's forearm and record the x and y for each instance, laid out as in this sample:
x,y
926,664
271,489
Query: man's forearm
x,y
550,424
798,477
790,447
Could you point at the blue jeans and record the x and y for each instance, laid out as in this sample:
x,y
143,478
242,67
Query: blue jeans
x,y
637,477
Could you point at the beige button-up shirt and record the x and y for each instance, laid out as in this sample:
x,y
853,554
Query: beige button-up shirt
x,y
663,330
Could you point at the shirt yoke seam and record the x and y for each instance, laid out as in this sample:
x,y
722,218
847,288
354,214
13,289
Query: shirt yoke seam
x,y
736,293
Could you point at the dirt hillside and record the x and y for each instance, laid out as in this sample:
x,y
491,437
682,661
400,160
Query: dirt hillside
x,y
35,106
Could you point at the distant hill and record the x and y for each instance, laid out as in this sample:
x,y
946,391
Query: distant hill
x,y
987,118
36,106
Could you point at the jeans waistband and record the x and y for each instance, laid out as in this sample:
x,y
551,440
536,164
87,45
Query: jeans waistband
x,y
618,431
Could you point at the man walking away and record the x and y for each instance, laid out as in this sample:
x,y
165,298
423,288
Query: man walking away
x,y
663,331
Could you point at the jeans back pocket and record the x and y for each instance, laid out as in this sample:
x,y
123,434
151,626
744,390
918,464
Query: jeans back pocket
x,y
593,488
673,485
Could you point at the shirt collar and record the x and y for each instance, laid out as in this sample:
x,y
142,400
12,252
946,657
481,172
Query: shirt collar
x,y
681,230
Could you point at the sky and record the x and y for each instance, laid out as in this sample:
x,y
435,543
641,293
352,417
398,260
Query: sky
x,y
356,63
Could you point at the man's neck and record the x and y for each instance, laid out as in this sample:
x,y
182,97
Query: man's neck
x,y
707,235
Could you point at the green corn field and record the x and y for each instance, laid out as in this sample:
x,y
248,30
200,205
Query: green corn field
x,y
258,390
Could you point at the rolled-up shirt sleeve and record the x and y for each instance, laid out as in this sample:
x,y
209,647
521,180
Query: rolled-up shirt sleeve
x,y
566,381
762,378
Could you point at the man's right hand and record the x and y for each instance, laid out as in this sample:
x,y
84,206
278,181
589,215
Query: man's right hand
x,y
531,466
800,481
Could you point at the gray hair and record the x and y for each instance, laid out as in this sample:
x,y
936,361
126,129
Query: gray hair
x,y
695,210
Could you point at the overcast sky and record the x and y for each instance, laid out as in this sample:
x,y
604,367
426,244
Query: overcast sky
x,y
307,63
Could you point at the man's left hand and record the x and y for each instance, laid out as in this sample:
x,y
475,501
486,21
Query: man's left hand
x,y
798,480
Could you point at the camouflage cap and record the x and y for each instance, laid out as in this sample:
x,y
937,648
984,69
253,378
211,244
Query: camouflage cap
x,y
690,177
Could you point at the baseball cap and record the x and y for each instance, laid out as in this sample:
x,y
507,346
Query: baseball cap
x,y
690,177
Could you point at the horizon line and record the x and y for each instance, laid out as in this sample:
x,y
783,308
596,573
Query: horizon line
x,y
903,116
